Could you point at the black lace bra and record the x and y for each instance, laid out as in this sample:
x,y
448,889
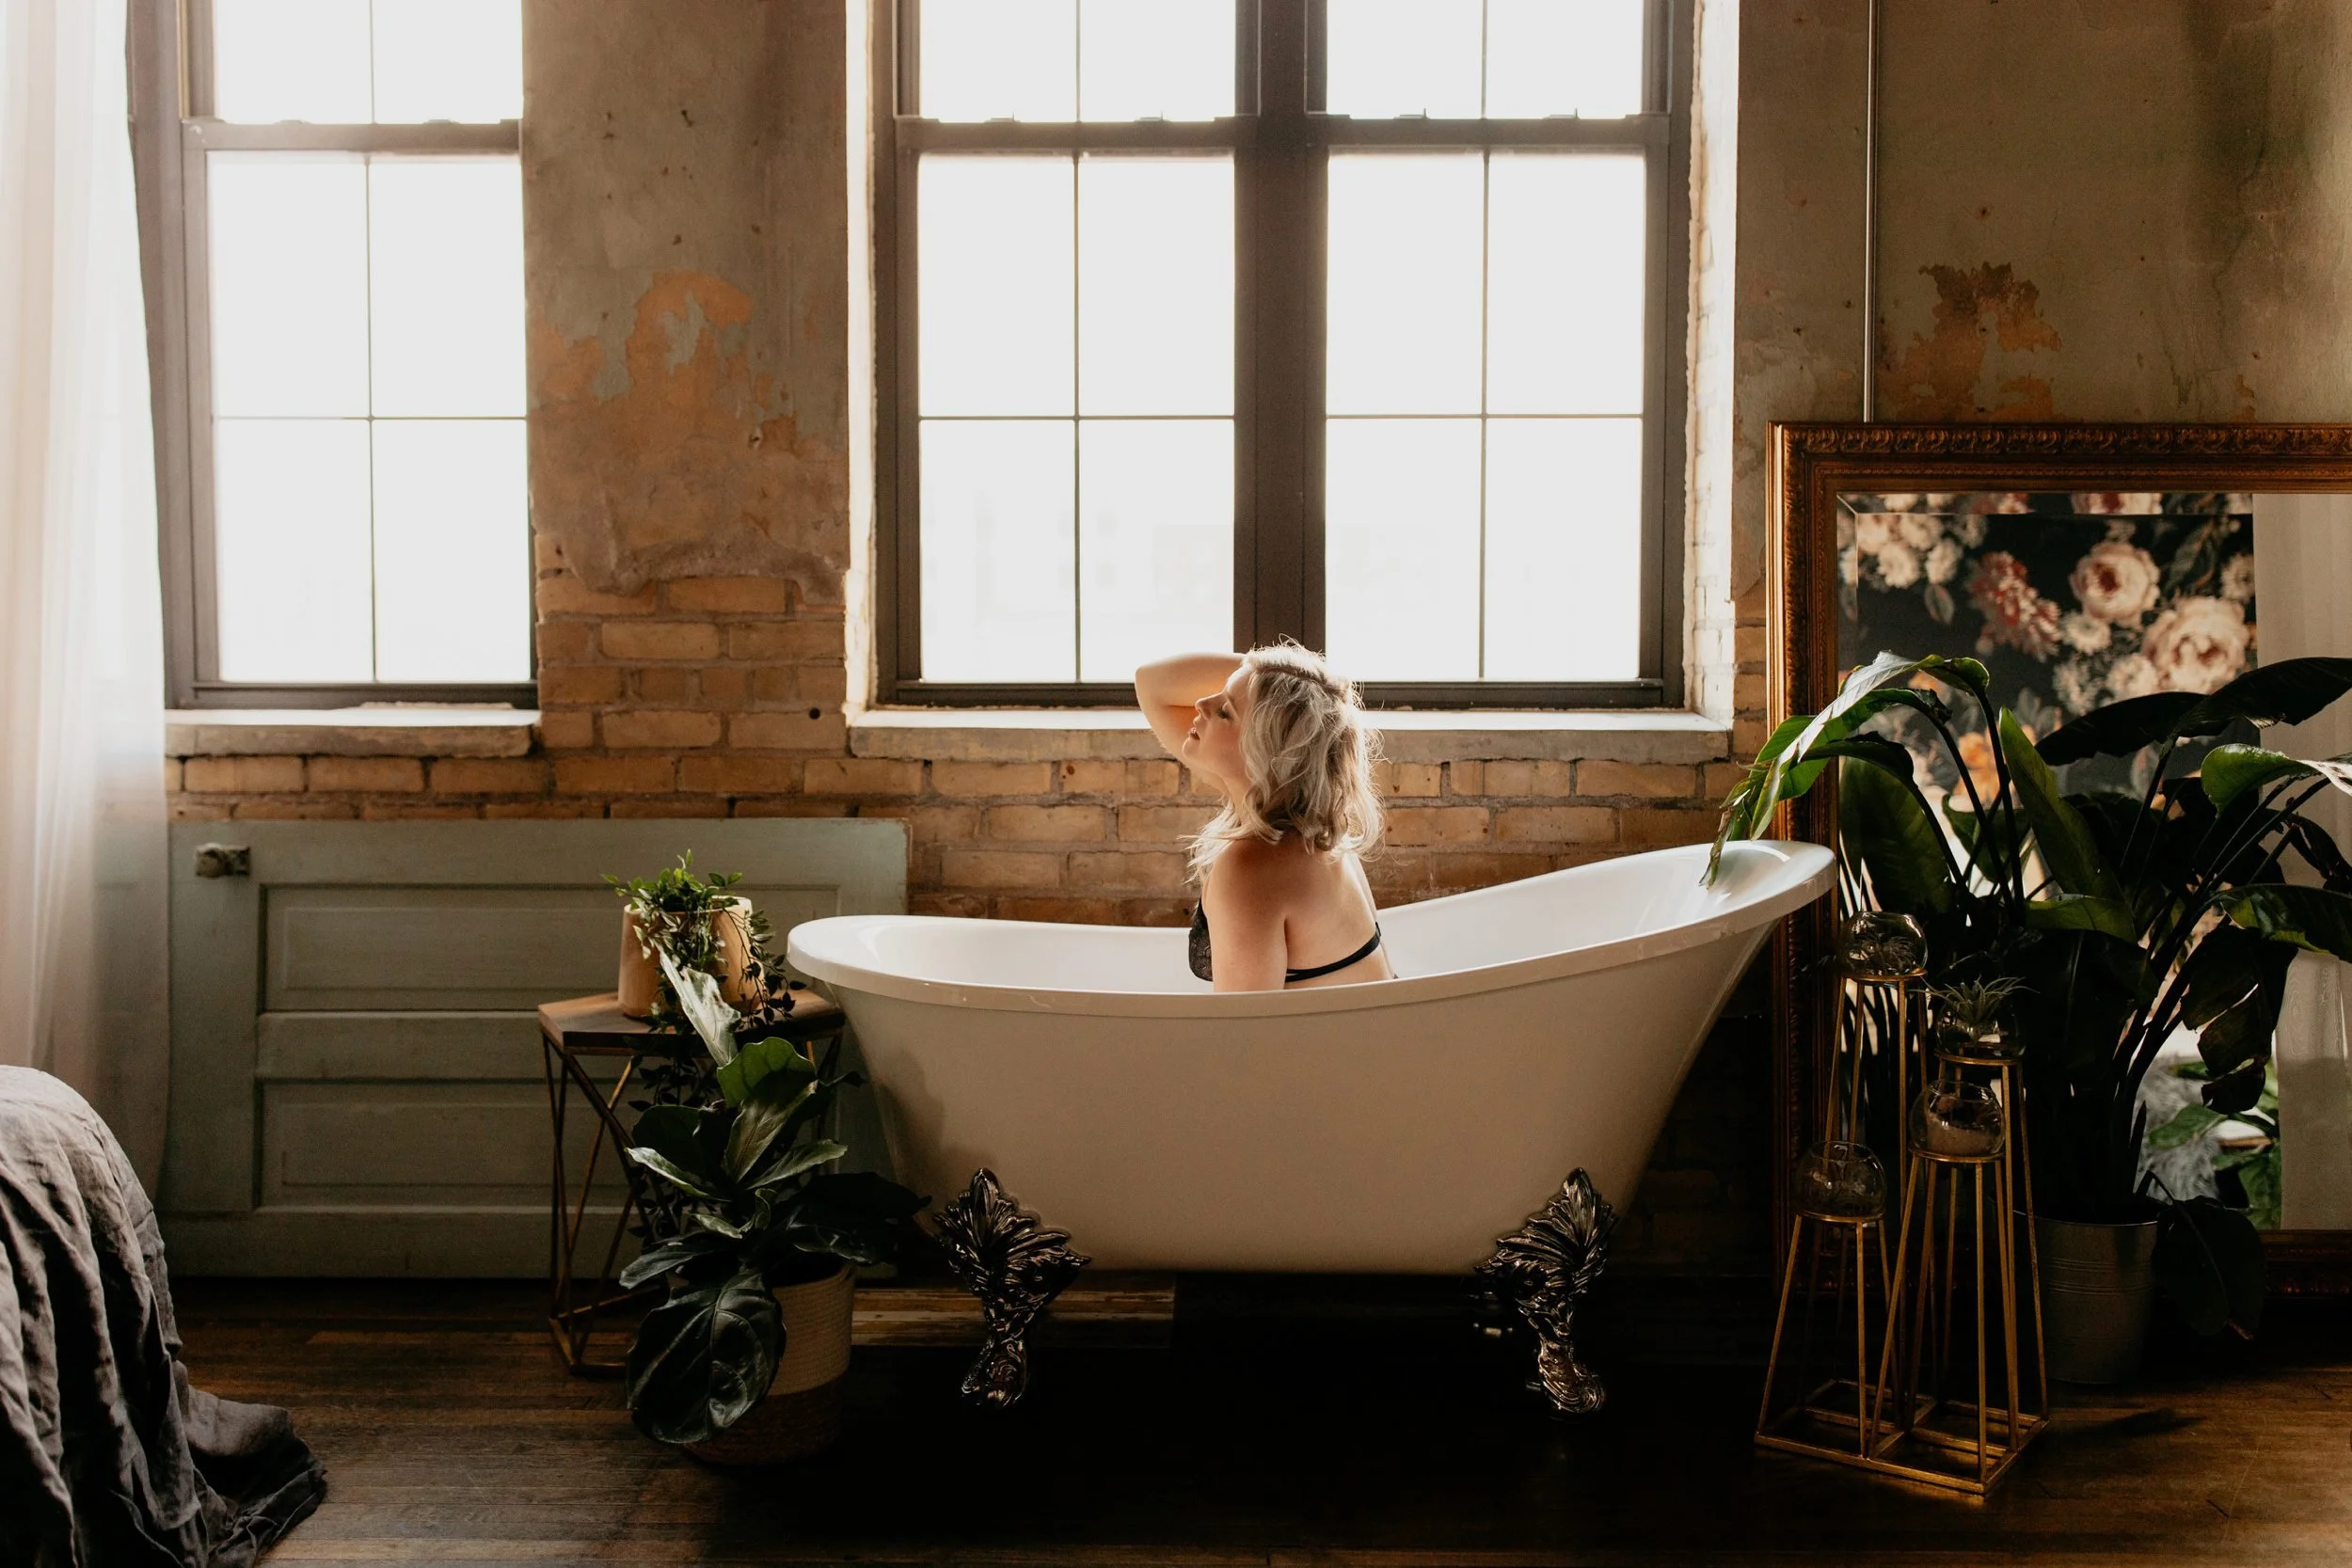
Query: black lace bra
x,y
1201,966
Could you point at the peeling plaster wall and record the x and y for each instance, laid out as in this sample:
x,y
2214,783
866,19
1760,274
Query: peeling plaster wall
x,y
685,213
1797,337
2131,209
2089,209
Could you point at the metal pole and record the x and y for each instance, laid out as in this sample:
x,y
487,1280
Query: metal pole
x,y
1871,226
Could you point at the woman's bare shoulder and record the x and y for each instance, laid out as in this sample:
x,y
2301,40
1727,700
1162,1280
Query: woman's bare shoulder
x,y
1265,868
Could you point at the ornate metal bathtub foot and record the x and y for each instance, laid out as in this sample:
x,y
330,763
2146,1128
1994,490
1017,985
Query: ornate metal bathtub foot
x,y
1016,1265
1539,1273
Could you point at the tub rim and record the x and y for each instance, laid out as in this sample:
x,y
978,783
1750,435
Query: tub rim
x,y
1735,920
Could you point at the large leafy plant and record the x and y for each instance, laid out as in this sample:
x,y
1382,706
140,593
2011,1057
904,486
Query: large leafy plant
x,y
752,1206
2121,916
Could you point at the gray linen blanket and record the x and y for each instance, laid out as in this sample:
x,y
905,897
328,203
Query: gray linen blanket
x,y
107,1458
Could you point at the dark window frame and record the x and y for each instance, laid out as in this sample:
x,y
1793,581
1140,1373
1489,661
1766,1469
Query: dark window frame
x,y
171,132
1281,145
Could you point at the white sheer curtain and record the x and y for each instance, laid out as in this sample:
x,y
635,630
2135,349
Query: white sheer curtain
x,y
83,868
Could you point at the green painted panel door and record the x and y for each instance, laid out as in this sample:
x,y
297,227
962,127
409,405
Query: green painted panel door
x,y
358,1086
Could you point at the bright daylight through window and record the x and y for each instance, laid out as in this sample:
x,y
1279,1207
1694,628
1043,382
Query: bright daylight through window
x,y
1086,430
359,388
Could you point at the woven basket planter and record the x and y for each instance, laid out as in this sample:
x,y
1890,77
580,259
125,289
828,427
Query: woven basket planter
x,y
801,1414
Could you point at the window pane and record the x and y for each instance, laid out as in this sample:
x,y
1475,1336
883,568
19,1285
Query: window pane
x,y
446,238
1564,57
1565,252
451,551
1401,549
1165,59
290,60
1563,549
998,600
999,59
290,283
448,59
1405,283
291,549
995,296
1155,285
1158,546
1395,57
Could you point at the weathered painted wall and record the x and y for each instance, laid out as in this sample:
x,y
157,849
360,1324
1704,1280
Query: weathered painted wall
x,y
685,263
2128,209
2089,209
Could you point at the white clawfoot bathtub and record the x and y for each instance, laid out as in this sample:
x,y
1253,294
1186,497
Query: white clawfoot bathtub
x,y
1399,1126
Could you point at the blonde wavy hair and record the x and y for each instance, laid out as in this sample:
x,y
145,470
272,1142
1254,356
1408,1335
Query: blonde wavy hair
x,y
1308,751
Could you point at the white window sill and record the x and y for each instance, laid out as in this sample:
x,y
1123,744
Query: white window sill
x,y
1050,735
408,730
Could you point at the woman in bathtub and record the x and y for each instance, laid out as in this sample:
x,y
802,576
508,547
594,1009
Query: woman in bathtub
x,y
1284,740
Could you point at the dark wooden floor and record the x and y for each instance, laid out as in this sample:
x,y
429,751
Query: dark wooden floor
x,y
1252,1436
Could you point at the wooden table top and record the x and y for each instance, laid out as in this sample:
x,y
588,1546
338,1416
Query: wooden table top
x,y
595,1024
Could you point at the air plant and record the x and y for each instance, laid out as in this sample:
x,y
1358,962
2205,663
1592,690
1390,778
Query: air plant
x,y
1970,1011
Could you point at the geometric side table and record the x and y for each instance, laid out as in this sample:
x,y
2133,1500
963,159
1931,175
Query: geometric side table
x,y
570,1035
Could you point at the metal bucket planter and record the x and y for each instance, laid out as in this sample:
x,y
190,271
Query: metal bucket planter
x,y
2098,1290
801,1414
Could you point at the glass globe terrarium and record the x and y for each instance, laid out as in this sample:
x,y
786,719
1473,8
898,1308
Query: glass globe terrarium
x,y
1840,1181
1880,945
1955,1119
1971,1022
1990,1044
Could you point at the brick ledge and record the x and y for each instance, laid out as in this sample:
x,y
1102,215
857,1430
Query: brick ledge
x,y
364,732
1052,735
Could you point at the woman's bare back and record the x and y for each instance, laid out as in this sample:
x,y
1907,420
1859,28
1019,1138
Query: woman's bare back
x,y
1278,908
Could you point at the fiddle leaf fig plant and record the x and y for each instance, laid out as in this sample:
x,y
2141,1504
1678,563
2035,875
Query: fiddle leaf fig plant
x,y
2115,918
752,1206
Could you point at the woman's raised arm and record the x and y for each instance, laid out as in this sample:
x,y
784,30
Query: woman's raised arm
x,y
1166,690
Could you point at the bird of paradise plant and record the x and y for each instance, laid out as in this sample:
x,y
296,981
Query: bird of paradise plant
x,y
2122,917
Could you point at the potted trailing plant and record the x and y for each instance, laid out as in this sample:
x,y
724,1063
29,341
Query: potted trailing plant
x,y
703,924
2120,916
747,1359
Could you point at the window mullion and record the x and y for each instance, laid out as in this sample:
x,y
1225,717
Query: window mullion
x,y
1278,555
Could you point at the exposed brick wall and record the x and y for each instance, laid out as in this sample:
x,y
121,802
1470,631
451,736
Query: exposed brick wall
x,y
722,697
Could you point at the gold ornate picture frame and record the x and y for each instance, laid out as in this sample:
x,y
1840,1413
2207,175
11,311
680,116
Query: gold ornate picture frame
x,y
1814,463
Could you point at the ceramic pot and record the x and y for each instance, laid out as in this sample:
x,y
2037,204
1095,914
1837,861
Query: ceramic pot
x,y
641,975
2098,1290
640,982
802,1413
734,929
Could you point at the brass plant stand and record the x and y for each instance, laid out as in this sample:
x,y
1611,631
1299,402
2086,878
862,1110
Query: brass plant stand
x,y
1817,1423
1841,1194
571,1034
1936,1436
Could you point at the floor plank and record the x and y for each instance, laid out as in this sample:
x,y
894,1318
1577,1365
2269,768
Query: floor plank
x,y
1298,1435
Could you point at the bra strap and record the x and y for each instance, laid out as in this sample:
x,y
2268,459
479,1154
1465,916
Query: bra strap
x,y
1366,951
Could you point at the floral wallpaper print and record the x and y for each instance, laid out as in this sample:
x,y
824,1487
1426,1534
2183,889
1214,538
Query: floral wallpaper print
x,y
2071,601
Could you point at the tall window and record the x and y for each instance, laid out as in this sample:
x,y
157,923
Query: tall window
x,y
1346,320
344,482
